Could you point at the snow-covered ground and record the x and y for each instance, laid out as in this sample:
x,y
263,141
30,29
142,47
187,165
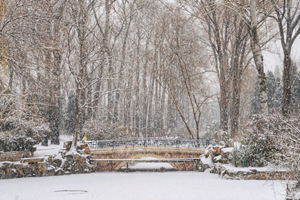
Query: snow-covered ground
x,y
233,169
146,186
130,186
42,151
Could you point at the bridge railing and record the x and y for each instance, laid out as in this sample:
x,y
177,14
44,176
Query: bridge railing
x,y
145,142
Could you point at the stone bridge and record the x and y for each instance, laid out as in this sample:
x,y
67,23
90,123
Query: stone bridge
x,y
183,156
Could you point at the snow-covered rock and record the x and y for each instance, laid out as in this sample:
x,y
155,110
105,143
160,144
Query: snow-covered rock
x,y
253,173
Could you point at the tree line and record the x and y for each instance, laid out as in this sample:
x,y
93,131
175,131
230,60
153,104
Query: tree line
x,y
142,68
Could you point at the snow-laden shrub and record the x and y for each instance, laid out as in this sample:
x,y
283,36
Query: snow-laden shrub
x,y
259,149
21,120
274,139
22,127
259,144
10,143
235,157
7,105
277,137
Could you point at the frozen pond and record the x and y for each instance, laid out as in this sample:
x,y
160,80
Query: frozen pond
x,y
140,186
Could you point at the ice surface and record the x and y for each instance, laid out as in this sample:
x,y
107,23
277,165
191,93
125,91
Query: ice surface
x,y
149,165
146,186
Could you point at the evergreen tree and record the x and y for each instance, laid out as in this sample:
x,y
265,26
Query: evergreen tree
x,y
255,101
296,92
274,95
274,92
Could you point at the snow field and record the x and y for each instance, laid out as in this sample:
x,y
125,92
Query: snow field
x,y
137,186
51,149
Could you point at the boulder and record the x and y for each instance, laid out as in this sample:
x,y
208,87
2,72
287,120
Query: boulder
x,y
50,171
42,167
57,162
20,170
67,145
59,171
85,148
69,157
72,163
215,152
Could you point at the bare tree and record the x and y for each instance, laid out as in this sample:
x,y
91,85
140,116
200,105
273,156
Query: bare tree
x,y
239,62
82,58
288,19
217,21
185,84
136,68
227,38
128,11
30,58
254,16
107,46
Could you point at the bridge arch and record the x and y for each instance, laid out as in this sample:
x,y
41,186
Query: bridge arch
x,y
139,156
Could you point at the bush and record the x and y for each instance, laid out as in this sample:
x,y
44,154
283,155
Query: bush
x,y
21,127
259,149
235,157
259,144
10,143
22,121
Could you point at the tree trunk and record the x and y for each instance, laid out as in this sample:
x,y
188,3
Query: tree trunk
x,y
235,112
110,103
224,106
128,104
120,78
108,59
238,63
137,86
258,59
55,99
145,101
150,113
77,118
97,91
287,85
56,72
162,109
